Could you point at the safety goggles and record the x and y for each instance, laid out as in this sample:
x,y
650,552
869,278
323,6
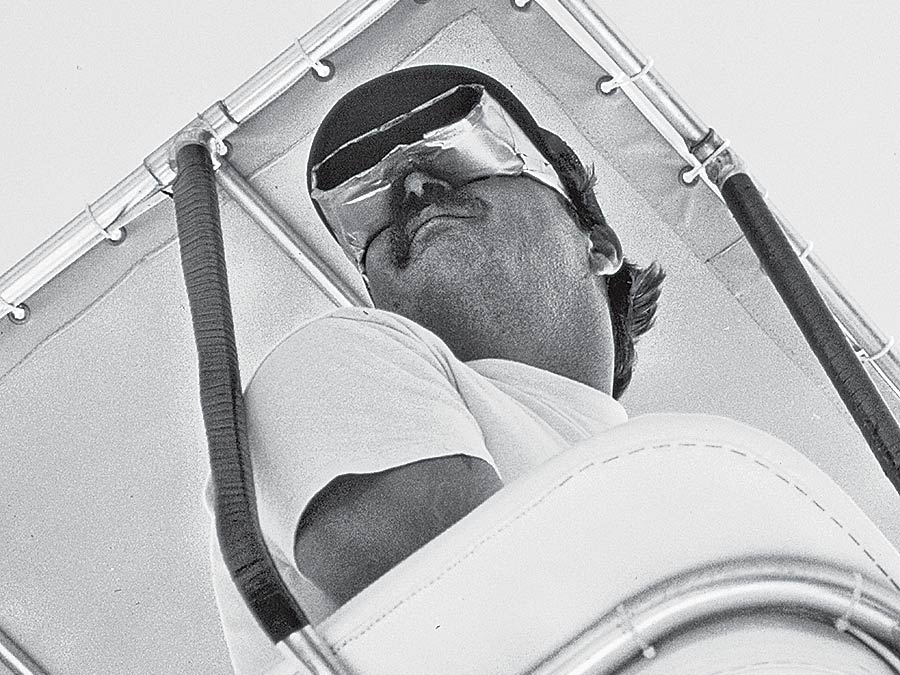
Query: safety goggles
x,y
461,136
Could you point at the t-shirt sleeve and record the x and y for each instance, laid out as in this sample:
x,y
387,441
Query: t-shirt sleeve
x,y
350,393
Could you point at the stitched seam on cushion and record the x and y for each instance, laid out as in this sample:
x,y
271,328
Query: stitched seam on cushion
x,y
659,446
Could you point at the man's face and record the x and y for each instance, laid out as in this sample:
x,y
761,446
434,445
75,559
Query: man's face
x,y
501,254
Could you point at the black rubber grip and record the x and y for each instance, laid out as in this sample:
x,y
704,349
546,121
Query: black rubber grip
x,y
221,399
799,293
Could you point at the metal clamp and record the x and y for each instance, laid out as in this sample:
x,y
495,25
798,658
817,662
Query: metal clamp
x,y
322,70
162,186
204,134
18,314
221,146
116,237
689,174
842,623
616,83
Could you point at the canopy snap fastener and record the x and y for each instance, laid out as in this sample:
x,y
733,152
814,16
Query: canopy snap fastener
x,y
617,82
116,237
18,314
689,175
322,70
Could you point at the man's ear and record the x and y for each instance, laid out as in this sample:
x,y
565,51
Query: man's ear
x,y
605,259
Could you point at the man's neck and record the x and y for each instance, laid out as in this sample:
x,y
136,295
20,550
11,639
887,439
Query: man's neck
x,y
578,346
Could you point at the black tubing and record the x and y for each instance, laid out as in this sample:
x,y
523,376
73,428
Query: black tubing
x,y
815,320
237,523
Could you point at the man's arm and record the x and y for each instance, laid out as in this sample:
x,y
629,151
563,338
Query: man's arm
x,y
361,525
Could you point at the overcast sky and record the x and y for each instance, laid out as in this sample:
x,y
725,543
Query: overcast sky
x,y
808,92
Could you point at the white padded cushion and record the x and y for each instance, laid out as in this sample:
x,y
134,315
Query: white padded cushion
x,y
551,553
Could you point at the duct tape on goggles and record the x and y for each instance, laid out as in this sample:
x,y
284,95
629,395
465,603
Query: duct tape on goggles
x,y
460,136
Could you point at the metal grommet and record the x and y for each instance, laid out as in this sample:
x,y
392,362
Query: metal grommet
x,y
603,80
117,236
316,65
122,234
328,75
689,183
521,5
25,316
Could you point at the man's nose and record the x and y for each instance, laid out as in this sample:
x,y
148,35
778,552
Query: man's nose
x,y
425,187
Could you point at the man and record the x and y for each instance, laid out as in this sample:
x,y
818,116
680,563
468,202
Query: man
x,y
502,331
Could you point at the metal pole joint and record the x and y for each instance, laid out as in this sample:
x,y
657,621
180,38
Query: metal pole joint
x,y
199,132
719,160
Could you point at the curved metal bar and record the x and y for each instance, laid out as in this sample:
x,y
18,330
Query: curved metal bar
x,y
809,588
823,334
16,659
335,288
308,647
695,134
130,197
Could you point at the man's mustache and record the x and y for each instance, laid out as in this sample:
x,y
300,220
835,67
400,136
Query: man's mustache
x,y
456,201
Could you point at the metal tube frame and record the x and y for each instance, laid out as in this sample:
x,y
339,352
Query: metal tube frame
x,y
308,647
700,143
335,288
841,598
16,659
140,190
136,193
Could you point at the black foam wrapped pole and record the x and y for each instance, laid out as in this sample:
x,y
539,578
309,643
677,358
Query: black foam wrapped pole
x,y
221,399
802,298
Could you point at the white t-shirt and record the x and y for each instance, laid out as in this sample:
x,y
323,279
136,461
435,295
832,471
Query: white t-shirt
x,y
361,390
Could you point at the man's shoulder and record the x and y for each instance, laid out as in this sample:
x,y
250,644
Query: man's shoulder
x,y
355,337
350,327
359,320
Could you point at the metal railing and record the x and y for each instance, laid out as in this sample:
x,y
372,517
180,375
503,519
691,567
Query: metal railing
x,y
583,19
136,192
813,590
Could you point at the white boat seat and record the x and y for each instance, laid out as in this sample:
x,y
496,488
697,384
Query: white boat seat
x,y
556,550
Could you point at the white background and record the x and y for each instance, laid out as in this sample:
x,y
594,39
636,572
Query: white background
x,y
808,92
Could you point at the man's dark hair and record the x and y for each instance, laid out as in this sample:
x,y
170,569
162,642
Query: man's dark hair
x,y
633,297
633,291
